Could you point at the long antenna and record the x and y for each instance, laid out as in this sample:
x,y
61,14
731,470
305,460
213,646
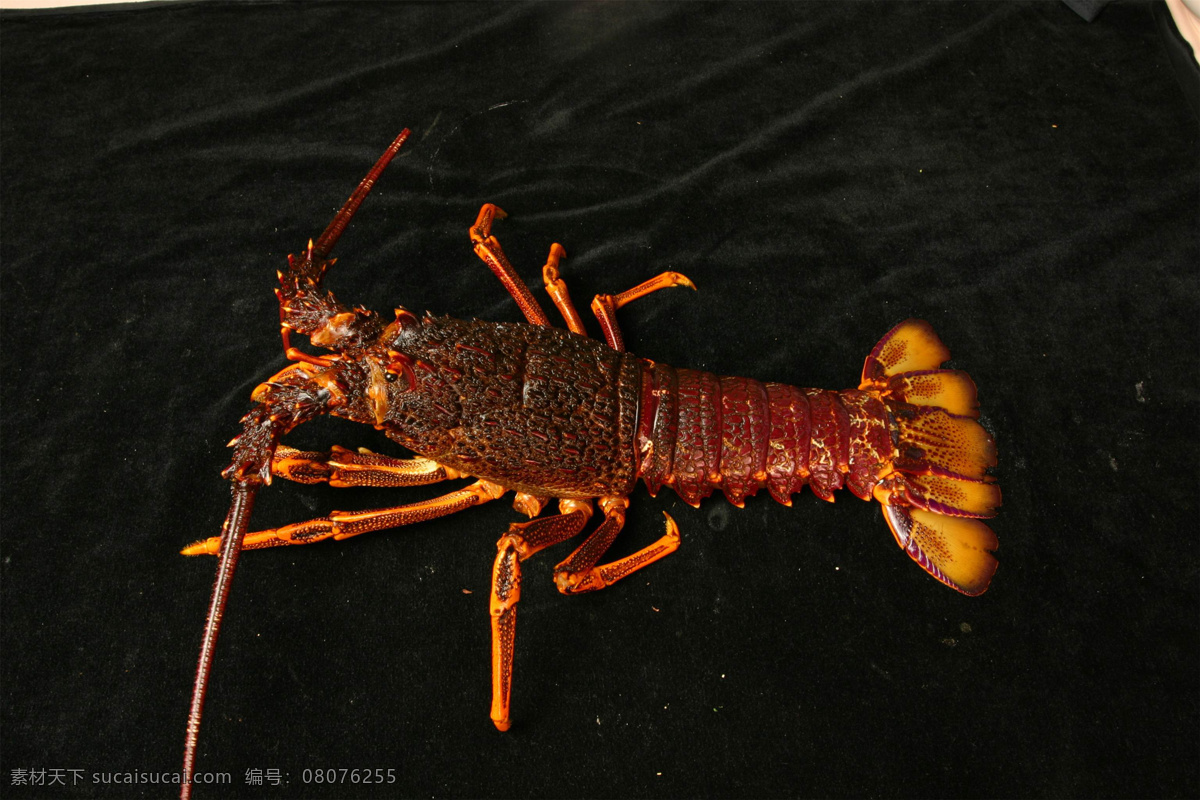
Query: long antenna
x,y
244,491
232,534
326,240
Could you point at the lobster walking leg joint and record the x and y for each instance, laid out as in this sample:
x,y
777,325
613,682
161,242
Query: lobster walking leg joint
x,y
556,287
579,573
605,306
490,252
522,540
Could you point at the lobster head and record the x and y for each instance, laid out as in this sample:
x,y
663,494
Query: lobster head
x,y
366,362
363,347
368,375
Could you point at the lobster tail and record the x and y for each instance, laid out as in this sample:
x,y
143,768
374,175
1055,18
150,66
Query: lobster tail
x,y
937,489
909,436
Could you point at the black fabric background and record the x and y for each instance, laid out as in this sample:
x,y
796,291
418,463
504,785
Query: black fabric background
x,y
1026,181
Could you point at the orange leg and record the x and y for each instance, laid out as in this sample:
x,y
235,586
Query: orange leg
x,y
488,249
530,504
344,524
343,468
556,287
579,573
522,540
605,306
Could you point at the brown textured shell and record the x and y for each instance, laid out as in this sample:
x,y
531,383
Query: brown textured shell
x,y
536,409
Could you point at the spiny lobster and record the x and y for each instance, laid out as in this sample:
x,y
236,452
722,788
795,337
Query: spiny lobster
x,y
549,413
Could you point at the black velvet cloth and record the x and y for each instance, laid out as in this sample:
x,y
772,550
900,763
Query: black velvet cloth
x,y
1024,180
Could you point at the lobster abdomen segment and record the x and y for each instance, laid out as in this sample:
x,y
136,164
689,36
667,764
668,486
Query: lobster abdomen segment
x,y
741,435
787,451
696,449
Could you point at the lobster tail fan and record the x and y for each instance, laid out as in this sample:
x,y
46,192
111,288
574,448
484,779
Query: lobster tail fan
x,y
938,489
955,550
951,390
911,346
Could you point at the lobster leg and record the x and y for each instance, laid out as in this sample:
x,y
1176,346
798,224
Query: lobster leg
x,y
522,540
605,306
556,287
344,524
579,573
343,468
488,249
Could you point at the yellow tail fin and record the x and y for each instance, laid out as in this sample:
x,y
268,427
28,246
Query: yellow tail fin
x,y
955,550
939,487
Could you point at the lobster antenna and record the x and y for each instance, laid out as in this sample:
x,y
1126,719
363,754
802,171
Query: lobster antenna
x,y
326,240
232,534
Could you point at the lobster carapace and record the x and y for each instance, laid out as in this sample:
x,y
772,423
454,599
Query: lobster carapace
x,y
553,414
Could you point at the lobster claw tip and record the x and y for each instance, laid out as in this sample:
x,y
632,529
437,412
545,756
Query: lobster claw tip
x,y
204,547
683,280
672,526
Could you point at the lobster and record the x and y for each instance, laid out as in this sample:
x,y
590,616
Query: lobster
x,y
552,413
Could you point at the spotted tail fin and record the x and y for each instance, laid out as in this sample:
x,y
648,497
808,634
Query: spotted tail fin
x,y
938,488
